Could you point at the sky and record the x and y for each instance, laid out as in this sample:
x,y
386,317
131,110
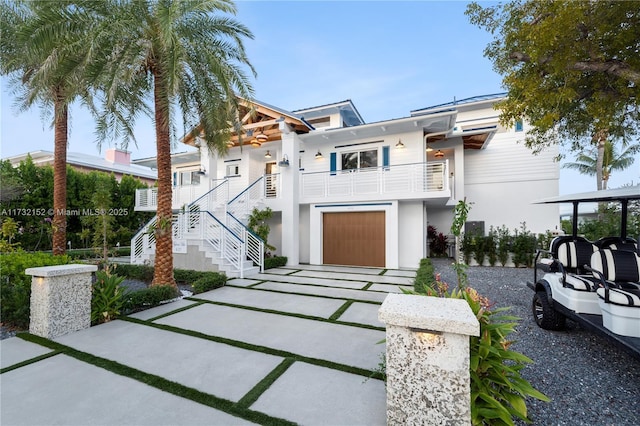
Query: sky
x,y
388,57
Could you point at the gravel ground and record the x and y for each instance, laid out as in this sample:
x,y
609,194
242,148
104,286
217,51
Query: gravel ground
x,y
589,381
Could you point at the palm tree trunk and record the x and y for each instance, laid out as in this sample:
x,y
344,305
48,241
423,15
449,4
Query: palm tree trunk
x,y
163,273
59,223
601,138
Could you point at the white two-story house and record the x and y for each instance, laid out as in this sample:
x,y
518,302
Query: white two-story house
x,y
348,192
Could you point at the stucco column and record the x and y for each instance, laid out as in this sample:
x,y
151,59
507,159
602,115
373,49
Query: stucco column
x,y
60,299
290,179
428,380
458,177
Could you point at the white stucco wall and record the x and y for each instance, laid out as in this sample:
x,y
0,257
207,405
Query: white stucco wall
x,y
304,233
411,234
505,178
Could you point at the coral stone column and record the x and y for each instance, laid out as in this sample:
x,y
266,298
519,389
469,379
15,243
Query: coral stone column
x,y
428,381
60,299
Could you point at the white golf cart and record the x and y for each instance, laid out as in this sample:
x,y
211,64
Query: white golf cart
x,y
596,284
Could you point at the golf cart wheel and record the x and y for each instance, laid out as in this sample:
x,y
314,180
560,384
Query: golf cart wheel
x,y
546,317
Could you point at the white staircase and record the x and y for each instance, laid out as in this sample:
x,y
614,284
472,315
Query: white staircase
x,y
209,224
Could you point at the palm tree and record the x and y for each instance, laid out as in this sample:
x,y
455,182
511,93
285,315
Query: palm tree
x,y
185,55
41,48
587,162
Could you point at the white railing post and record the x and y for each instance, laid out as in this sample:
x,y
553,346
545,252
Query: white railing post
x,y
427,364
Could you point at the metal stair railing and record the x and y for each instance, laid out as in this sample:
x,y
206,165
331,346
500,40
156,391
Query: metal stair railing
x,y
242,204
223,240
143,242
254,245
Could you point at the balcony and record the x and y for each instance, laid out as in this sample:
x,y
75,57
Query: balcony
x,y
406,181
147,199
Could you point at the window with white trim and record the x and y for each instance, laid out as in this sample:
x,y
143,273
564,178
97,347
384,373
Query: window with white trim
x,y
359,159
186,178
233,170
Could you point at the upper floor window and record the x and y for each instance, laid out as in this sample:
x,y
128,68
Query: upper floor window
x,y
233,170
320,122
359,159
519,126
186,178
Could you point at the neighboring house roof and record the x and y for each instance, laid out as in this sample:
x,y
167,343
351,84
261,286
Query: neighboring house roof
x,y
88,161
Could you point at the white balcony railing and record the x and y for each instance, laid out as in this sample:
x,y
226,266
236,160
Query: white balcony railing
x,y
403,181
147,199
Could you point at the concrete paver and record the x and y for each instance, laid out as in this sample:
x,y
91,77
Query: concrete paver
x,y
319,281
290,303
361,277
210,367
362,313
389,288
353,346
312,395
243,282
15,350
344,293
64,391
162,309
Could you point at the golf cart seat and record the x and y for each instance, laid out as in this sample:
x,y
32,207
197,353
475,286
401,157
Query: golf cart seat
x,y
617,269
573,253
619,294
617,243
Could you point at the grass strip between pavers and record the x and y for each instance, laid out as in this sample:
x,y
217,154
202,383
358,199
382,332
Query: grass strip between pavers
x,y
323,296
161,383
262,349
175,311
384,271
29,361
264,384
294,314
341,310
366,287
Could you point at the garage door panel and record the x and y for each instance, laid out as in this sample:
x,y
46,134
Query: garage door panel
x,y
354,238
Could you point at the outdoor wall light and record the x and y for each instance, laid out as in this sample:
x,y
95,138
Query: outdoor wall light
x,y
202,171
268,154
318,155
399,145
284,162
427,336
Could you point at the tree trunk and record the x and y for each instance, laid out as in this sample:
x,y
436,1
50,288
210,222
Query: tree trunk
x,y
163,273
601,138
59,222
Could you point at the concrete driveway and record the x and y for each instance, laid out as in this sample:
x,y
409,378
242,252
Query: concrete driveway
x,y
293,345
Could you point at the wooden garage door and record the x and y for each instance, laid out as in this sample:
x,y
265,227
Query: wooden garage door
x,y
353,238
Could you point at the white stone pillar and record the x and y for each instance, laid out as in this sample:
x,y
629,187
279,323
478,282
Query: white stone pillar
x,y
290,178
60,299
428,380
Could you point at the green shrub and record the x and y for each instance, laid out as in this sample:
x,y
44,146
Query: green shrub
x,y
524,247
148,297
275,262
498,391
187,276
467,246
504,245
107,297
425,277
15,286
490,242
208,281
479,248
135,272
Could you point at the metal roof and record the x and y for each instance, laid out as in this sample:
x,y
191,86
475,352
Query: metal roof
x,y
626,193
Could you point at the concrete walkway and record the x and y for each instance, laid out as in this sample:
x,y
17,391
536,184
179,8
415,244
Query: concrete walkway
x,y
291,345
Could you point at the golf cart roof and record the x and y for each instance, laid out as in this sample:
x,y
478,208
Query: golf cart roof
x,y
619,194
